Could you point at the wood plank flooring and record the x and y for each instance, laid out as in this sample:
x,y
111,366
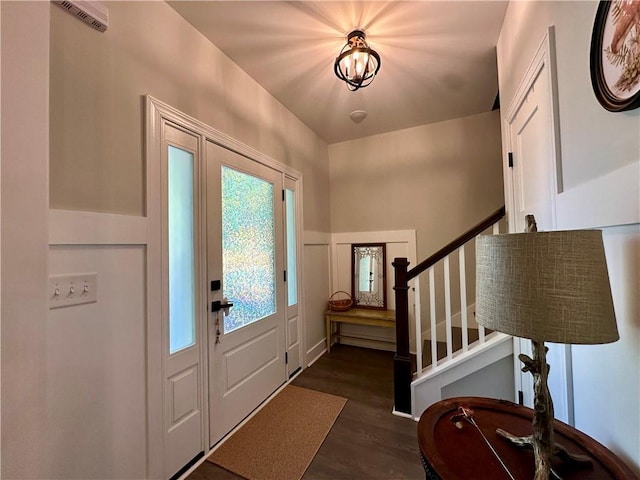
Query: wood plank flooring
x,y
366,442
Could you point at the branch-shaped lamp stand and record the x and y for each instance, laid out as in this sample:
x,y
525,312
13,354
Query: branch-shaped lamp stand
x,y
542,439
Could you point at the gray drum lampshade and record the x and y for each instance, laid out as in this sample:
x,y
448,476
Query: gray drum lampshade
x,y
545,286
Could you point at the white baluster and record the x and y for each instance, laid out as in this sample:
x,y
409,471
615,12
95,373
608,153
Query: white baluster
x,y
447,308
432,302
463,300
417,311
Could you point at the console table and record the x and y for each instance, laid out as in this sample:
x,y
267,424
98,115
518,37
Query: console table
x,y
449,453
358,316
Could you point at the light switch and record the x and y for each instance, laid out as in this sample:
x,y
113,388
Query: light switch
x,y
73,289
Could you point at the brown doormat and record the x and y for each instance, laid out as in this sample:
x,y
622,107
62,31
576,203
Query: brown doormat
x,y
280,441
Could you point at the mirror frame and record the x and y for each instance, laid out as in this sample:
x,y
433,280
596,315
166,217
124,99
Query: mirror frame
x,y
354,291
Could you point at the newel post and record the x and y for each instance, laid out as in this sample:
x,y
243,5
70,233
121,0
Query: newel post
x,y
402,371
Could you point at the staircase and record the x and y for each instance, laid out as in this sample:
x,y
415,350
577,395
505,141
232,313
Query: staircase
x,y
452,355
441,347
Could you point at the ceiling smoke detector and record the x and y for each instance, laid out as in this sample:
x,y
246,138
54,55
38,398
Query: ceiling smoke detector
x,y
357,116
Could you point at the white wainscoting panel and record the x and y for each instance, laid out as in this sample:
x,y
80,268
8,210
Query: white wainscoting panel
x,y
69,227
317,290
96,368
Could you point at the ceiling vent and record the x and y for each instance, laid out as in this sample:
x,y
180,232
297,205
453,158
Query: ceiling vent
x,y
91,12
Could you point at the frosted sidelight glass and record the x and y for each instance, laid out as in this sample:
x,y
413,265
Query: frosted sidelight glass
x,y
182,332
248,248
292,273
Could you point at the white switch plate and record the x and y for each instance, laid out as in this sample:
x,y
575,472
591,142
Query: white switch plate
x,y
73,289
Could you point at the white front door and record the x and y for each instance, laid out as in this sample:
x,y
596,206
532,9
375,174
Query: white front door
x,y
183,303
534,186
245,267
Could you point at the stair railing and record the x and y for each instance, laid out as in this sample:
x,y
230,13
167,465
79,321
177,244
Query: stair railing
x,y
402,362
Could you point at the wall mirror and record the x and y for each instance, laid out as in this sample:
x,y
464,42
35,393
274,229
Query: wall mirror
x,y
368,275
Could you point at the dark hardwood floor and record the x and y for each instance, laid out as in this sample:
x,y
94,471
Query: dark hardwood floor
x,y
366,441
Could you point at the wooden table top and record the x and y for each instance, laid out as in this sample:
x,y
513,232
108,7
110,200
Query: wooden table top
x,y
451,453
365,313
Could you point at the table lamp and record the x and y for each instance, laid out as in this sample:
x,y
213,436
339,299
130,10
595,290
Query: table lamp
x,y
544,286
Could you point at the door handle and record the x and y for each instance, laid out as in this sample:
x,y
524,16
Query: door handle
x,y
223,305
216,306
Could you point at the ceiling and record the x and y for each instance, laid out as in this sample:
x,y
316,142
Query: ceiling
x,y
438,58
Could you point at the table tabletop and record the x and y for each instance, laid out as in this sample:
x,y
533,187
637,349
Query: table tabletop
x,y
451,453
370,313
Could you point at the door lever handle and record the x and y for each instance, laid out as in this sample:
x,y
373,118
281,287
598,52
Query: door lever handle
x,y
225,305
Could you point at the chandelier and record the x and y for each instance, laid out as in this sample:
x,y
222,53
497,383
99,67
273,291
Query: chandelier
x,y
357,64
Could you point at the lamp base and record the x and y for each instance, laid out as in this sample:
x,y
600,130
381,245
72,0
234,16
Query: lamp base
x,y
559,450
542,440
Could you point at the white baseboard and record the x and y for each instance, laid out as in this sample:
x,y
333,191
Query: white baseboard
x,y
368,343
402,414
315,352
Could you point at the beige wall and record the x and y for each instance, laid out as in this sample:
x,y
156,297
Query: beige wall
x,y
97,84
439,179
594,143
25,126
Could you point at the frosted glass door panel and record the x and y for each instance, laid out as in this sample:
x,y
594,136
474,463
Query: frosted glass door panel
x,y
292,273
181,250
248,248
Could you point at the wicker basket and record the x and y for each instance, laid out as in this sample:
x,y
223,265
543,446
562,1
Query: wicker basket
x,y
340,305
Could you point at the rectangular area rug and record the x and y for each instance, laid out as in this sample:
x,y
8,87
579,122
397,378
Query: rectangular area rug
x,y
280,441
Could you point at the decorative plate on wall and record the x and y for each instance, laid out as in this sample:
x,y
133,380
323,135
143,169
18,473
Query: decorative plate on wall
x,y
615,55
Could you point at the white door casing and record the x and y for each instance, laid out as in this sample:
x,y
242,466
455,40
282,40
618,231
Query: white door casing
x,y
533,182
246,364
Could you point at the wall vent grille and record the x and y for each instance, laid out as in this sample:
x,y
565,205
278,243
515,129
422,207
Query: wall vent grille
x,y
92,13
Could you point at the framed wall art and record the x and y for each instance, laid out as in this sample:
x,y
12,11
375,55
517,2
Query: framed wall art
x,y
615,55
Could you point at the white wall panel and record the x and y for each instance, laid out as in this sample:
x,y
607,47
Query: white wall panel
x,y
96,369
613,368
316,292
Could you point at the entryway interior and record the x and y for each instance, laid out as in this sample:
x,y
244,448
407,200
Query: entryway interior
x,y
83,385
366,441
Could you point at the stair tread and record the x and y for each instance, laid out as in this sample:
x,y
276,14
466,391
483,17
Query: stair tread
x,y
441,347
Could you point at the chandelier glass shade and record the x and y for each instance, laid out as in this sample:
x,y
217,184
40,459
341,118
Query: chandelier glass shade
x,y
357,64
